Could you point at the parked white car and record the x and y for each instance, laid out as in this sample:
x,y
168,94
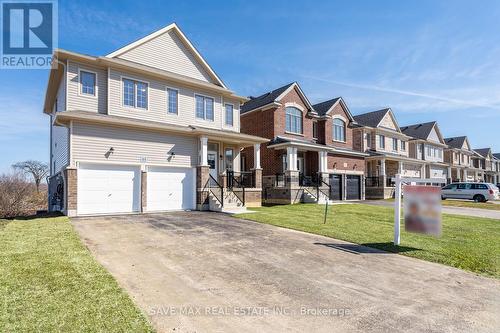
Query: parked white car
x,y
479,192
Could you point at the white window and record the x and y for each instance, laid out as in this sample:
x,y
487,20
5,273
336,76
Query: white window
x,y
381,141
315,129
204,107
135,94
229,158
338,130
403,145
173,100
87,83
229,114
293,120
394,144
368,140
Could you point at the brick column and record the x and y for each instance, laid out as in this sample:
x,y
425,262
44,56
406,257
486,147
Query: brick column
x,y
70,177
202,176
257,178
144,191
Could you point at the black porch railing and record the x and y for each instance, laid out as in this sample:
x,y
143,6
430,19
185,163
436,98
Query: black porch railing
x,y
212,186
372,181
310,181
240,179
321,187
280,180
390,182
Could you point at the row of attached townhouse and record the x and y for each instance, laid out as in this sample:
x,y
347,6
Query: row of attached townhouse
x,y
151,127
321,151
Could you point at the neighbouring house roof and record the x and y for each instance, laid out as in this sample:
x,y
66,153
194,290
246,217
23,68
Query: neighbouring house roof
x,y
371,119
483,151
420,131
323,107
456,142
264,99
497,155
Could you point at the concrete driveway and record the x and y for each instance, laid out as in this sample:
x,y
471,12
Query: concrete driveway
x,y
209,272
466,211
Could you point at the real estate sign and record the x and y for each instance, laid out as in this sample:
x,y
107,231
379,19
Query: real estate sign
x,y
422,209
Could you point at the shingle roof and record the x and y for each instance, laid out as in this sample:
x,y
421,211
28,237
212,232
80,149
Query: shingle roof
x,y
263,99
456,142
497,155
371,119
323,107
483,151
419,131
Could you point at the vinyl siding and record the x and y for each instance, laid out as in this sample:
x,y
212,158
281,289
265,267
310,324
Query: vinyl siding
x,y
60,148
61,97
157,103
167,52
387,122
92,142
86,103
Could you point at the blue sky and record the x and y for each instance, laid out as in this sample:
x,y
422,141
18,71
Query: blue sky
x,y
427,60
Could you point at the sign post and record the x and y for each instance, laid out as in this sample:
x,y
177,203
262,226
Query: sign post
x,y
397,211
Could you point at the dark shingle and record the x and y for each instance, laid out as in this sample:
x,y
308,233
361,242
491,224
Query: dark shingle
x,y
456,142
264,99
419,131
323,107
497,156
483,151
371,119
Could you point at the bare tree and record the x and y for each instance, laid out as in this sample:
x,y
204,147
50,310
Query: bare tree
x,y
38,170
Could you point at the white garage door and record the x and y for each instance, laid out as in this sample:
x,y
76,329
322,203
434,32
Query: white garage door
x,y
104,189
171,189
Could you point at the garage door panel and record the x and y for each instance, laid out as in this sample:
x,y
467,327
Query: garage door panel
x,y
107,189
336,187
353,187
171,189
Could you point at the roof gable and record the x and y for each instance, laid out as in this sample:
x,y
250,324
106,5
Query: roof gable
x,y
380,118
425,131
169,49
484,152
458,142
325,108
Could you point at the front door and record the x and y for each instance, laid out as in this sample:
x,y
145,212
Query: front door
x,y
300,164
212,164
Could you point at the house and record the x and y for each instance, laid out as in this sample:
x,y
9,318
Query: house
x,y
309,156
487,163
459,157
379,135
149,127
427,144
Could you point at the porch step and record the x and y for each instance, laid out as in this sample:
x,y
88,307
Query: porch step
x,y
307,197
231,203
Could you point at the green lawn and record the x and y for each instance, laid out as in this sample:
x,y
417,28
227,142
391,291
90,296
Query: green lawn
x,y
467,242
468,204
49,282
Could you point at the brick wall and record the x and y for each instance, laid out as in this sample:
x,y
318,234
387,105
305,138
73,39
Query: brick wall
x,y
328,129
347,163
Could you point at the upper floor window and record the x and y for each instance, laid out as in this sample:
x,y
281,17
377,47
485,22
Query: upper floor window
x,y
338,130
403,145
381,141
87,83
315,129
394,144
204,107
293,120
368,140
229,114
173,100
135,94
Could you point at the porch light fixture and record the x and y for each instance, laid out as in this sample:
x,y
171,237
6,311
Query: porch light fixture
x,y
171,155
109,152
355,166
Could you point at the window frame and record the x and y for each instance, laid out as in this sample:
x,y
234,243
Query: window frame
x,y
226,113
205,97
80,84
135,81
290,130
403,145
315,129
343,127
226,149
381,141
167,91
394,144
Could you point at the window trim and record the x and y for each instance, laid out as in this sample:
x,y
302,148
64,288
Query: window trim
x,y
344,129
394,144
301,120
315,129
135,107
225,115
204,119
167,88
380,137
226,149
80,85
403,145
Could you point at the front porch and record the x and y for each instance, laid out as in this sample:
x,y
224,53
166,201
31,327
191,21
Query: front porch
x,y
220,183
381,175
